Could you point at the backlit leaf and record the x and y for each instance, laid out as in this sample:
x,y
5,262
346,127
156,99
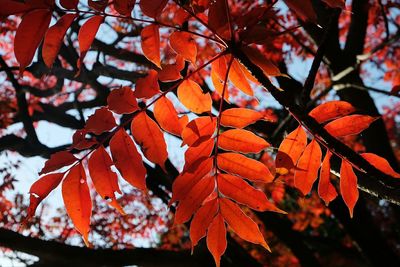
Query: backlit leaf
x,y
148,86
184,45
122,100
58,160
326,190
166,116
266,65
349,125
202,220
218,18
237,77
193,153
150,38
124,7
191,96
242,141
169,73
331,110
240,117
101,121
152,8
216,238
198,130
348,186
86,35
381,164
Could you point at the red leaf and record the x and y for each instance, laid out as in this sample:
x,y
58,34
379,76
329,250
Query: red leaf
x,y
166,116
150,40
101,121
240,117
194,153
216,238
69,4
152,8
98,5
54,38
218,18
128,160
78,203
239,190
193,199
86,35
266,65
307,167
57,161
326,190
202,220
148,86
104,179
41,189
80,142
238,78
124,7
331,110
191,96
184,45
242,224
169,73
290,150
349,125
198,130
242,141
381,164
150,138
348,186
303,9
250,169
29,34
122,100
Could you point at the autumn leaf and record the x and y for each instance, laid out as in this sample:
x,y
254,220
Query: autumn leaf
x,y
241,141
148,86
124,7
128,160
250,169
194,153
150,40
184,45
241,224
216,238
348,186
238,78
218,19
57,161
198,130
86,36
191,96
152,8
122,100
104,179
169,73
331,110
76,196
54,38
202,220
166,116
239,117
290,150
80,142
29,34
101,121
349,125
304,9
69,4
326,190
381,164
266,65
149,137
307,167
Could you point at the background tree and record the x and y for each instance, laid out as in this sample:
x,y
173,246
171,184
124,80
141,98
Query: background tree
x,y
218,76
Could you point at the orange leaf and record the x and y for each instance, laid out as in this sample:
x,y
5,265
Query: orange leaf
x,y
104,179
380,163
148,86
124,7
331,110
54,38
218,18
188,179
218,84
193,199
326,190
152,8
216,238
150,138
239,190
348,186
184,45
290,150
41,189
266,65
122,100
128,160
307,167
169,73
349,125
198,130
57,161
193,153
240,117
191,96
202,220
250,169
242,224
101,121
76,196
166,116
86,35
242,141
29,34
150,38
304,9
237,77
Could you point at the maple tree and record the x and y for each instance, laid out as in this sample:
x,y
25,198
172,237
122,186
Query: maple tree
x,y
204,73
